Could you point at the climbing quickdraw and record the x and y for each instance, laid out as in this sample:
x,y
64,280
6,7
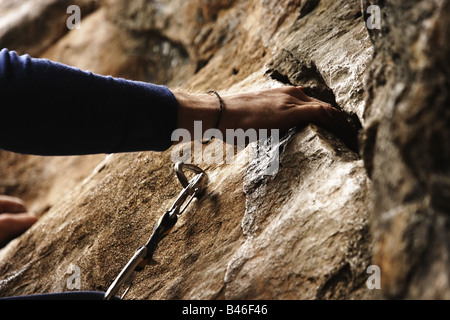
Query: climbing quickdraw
x,y
165,223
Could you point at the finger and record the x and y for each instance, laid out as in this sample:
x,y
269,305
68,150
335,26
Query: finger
x,y
11,204
298,92
328,117
314,112
332,119
14,224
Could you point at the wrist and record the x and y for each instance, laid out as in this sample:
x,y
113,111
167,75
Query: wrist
x,y
193,107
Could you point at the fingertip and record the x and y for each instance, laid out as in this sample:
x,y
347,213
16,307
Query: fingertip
x,y
33,217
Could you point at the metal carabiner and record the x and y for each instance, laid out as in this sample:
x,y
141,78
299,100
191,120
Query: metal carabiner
x,y
143,256
179,166
191,189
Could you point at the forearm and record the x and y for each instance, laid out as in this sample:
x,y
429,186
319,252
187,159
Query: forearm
x,y
55,109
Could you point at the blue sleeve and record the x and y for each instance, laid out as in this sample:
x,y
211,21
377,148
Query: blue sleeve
x,y
48,108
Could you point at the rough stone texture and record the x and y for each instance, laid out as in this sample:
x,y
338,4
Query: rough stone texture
x,y
227,245
32,26
109,48
43,181
250,236
406,148
308,232
303,230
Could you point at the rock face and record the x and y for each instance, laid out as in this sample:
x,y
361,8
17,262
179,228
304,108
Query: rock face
x,y
406,148
228,243
32,26
309,231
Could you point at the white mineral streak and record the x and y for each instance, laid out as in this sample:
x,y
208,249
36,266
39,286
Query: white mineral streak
x,y
306,232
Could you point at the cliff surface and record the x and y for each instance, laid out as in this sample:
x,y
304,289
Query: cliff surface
x,y
309,231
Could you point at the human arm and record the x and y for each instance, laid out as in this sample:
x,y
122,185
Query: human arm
x,y
53,109
278,108
49,108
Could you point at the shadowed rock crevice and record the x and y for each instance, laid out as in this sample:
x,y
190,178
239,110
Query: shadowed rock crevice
x,y
289,70
307,6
